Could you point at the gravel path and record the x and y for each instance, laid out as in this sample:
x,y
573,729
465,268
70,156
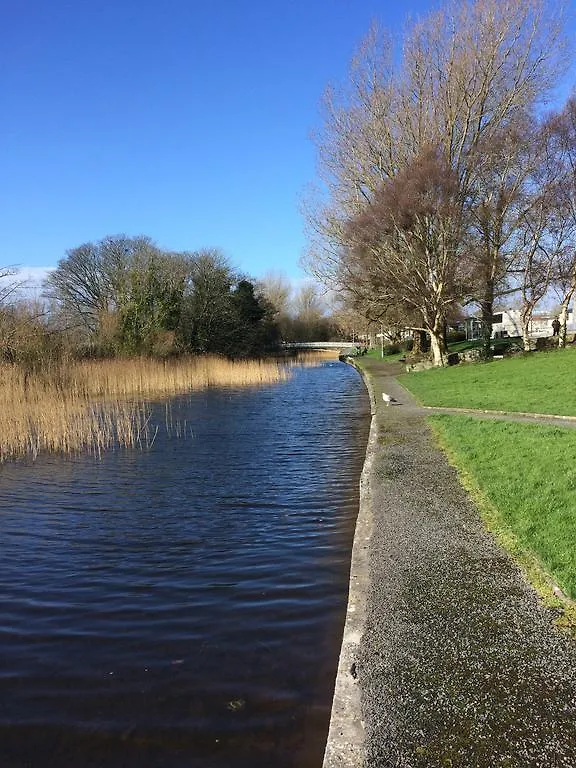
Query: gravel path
x,y
458,663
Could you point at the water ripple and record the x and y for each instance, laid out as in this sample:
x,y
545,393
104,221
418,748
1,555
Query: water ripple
x,y
183,605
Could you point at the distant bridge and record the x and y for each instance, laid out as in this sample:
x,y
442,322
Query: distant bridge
x,y
318,344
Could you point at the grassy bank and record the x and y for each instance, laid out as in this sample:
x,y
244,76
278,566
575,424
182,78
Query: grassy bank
x,y
520,475
538,383
524,474
94,405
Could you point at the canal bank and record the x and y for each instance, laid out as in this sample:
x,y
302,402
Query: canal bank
x,y
448,658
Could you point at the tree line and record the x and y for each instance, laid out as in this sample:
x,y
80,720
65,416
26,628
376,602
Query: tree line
x,y
445,183
125,296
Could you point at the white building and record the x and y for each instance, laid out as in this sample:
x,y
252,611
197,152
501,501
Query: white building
x,y
508,322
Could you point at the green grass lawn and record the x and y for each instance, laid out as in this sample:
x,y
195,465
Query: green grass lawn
x,y
497,345
528,475
375,353
542,382
461,346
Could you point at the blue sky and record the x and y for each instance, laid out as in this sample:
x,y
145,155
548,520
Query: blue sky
x,y
185,120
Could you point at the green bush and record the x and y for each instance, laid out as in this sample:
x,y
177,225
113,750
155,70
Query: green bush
x,y
454,336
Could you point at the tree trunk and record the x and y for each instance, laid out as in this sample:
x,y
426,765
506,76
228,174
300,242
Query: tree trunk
x,y
563,319
439,353
419,342
563,316
487,313
526,331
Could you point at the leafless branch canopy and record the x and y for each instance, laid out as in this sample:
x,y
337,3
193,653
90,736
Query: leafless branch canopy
x,y
469,83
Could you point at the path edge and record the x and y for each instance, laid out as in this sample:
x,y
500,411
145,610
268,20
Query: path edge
x,y
346,737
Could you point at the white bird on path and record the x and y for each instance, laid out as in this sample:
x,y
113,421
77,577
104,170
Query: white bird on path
x,y
388,398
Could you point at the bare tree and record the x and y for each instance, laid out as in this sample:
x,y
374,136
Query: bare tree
x,y
356,153
547,226
536,280
472,67
277,289
564,284
207,316
91,279
307,303
540,245
121,293
8,287
560,135
405,246
503,169
469,72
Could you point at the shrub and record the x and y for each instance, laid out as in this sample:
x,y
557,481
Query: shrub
x,y
454,336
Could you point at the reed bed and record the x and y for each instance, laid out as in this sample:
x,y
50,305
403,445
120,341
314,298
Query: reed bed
x,y
145,378
313,357
70,427
93,405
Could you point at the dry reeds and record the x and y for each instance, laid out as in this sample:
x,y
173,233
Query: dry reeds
x,y
314,357
144,378
94,405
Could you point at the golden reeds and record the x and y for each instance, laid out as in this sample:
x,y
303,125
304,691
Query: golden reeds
x,y
313,357
96,404
145,378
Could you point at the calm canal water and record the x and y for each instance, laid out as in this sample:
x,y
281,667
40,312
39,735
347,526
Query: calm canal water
x,y
183,605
